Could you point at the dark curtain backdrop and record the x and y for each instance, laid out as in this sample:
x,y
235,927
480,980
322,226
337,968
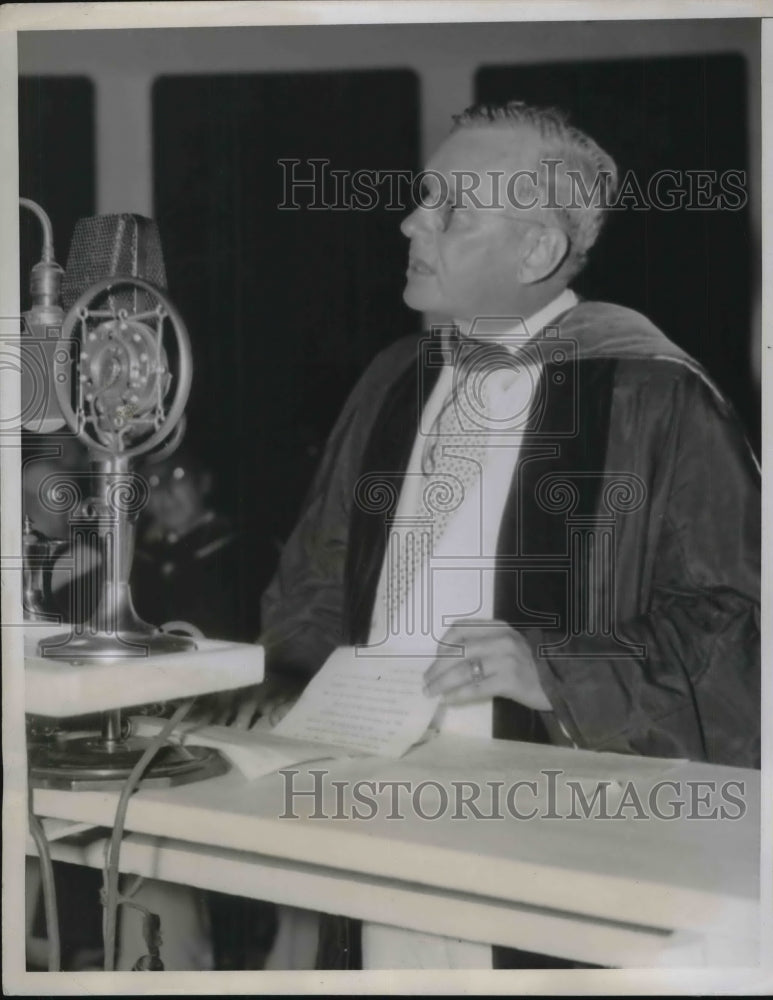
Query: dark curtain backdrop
x,y
689,270
285,308
56,161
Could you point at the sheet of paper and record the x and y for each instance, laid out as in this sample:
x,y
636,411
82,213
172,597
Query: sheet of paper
x,y
372,704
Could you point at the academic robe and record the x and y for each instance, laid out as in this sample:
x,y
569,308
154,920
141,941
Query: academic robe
x,y
628,552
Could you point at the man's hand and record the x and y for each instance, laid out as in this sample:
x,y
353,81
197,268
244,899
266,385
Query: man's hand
x,y
243,708
497,663
264,705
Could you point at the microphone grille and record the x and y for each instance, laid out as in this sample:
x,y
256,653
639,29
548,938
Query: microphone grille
x,y
126,246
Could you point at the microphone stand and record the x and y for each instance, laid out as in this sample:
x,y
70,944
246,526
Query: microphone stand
x,y
107,522
117,407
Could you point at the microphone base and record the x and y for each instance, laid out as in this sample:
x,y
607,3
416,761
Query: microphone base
x,y
94,764
102,646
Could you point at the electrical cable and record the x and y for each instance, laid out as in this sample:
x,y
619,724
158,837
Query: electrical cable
x,y
151,928
134,887
48,886
130,785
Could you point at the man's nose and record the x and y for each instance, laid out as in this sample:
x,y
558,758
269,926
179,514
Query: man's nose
x,y
418,222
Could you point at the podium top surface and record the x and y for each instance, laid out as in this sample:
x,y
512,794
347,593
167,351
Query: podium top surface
x,y
681,872
60,688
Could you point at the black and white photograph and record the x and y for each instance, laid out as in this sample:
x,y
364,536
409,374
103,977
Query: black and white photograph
x,y
381,439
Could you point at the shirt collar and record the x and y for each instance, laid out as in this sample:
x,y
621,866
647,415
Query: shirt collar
x,y
537,322
545,316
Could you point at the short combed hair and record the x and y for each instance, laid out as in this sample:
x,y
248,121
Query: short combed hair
x,y
580,160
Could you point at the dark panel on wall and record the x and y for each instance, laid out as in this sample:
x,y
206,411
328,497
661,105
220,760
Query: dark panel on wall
x,y
688,269
285,307
56,161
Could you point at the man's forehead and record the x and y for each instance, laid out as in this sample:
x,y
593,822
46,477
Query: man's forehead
x,y
484,149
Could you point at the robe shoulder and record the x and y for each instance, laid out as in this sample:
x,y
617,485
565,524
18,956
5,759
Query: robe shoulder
x,y
606,330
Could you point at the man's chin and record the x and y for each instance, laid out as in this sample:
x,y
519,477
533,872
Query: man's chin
x,y
418,299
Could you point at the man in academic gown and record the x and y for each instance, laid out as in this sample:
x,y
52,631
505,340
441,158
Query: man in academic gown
x,y
624,611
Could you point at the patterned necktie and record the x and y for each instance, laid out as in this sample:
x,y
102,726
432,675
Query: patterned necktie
x,y
453,455
451,465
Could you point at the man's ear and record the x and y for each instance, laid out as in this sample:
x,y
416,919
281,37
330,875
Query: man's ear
x,y
545,255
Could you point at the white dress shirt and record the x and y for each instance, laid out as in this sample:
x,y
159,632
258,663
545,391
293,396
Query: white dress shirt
x,y
457,590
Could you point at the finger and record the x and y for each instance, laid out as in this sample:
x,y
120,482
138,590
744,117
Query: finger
x,y
481,645
208,709
279,710
487,688
245,714
486,639
455,675
438,668
222,716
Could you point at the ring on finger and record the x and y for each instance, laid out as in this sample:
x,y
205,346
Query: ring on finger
x,y
477,671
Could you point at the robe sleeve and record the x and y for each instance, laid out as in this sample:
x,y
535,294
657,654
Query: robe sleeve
x,y
302,609
695,691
